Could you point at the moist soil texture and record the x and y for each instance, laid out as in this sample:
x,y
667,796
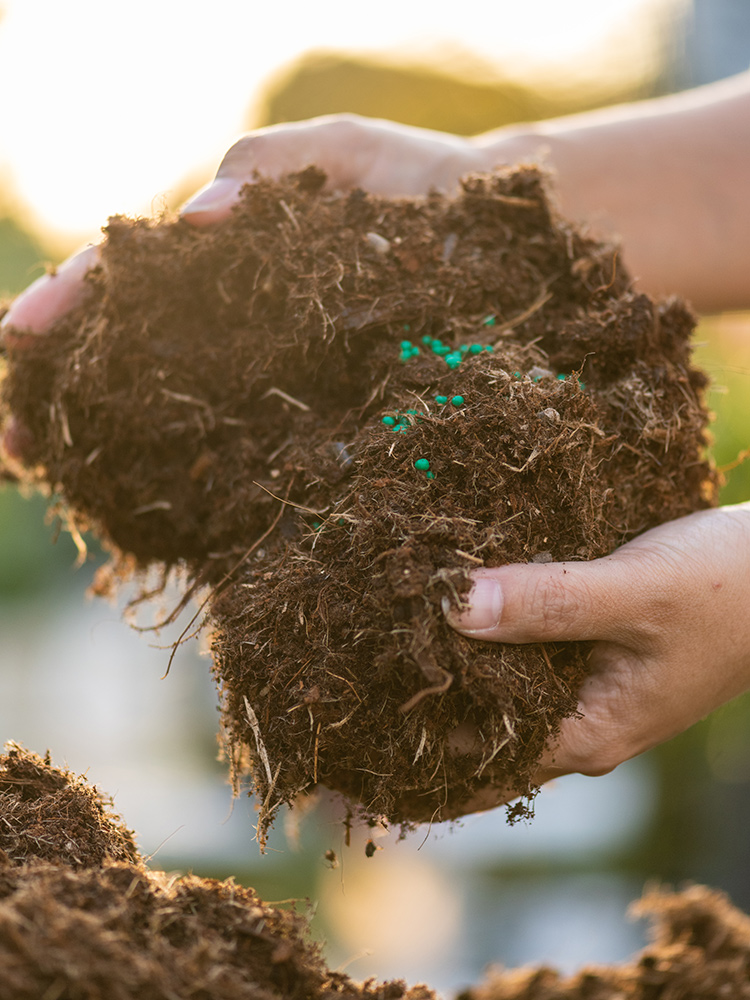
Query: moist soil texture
x,y
87,920
328,410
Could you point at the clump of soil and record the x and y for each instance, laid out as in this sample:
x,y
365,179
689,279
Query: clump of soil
x,y
52,815
93,923
700,950
328,410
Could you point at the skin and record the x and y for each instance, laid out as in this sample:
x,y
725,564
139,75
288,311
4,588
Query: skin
x,y
668,612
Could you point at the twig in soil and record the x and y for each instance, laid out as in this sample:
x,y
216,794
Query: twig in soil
x,y
425,692
287,398
488,760
225,579
290,213
534,455
516,201
288,503
65,426
420,748
147,508
545,296
252,718
469,556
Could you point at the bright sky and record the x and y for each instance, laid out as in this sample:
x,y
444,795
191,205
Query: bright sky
x,y
108,106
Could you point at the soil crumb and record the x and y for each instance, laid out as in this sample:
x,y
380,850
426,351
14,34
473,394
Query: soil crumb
x,y
330,408
95,923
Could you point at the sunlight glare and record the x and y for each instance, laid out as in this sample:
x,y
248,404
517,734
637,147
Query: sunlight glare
x,y
113,106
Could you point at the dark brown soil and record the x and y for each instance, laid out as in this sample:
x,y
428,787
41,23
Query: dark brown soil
x,y
93,923
244,402
52,815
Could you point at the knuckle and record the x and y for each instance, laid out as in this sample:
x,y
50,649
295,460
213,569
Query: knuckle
x,y
559,604
607,761
344,124
242,156
293,145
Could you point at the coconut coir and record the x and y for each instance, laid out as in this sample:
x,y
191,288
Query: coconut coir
x,y
87,920
329,409
700,950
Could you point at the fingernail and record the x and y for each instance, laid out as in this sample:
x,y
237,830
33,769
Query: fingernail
x,y
218,196
485,602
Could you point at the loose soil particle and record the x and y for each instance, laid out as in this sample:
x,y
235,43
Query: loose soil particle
x,y
256,403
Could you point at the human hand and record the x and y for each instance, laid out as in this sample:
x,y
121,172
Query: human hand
x,y
381,157
669,616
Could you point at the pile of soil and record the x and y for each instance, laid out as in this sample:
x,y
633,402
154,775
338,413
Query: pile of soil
x,y
52,815
700,951
91,922
88,920
328,410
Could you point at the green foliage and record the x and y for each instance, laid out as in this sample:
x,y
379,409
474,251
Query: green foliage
x,y
724,351
440,97
21,257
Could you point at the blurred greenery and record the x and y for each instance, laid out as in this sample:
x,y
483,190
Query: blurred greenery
x,y
458,95
22,257
35,555
723,349
29,561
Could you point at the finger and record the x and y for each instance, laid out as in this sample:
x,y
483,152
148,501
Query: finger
x,y
340,145
600,599
17,440
214,201
272,151
47,299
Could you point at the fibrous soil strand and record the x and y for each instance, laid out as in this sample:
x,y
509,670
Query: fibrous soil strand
x,y
329,409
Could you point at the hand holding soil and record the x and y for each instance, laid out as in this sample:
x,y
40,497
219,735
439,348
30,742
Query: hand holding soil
x,y
191,513
329,408
668,613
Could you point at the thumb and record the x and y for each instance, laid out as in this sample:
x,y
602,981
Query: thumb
x,y
521,603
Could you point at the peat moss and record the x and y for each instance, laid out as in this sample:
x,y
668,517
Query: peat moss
x,y
52,815
104,927
255,402
95,924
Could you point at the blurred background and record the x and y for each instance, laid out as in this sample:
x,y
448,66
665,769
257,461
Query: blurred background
x,y
128,108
